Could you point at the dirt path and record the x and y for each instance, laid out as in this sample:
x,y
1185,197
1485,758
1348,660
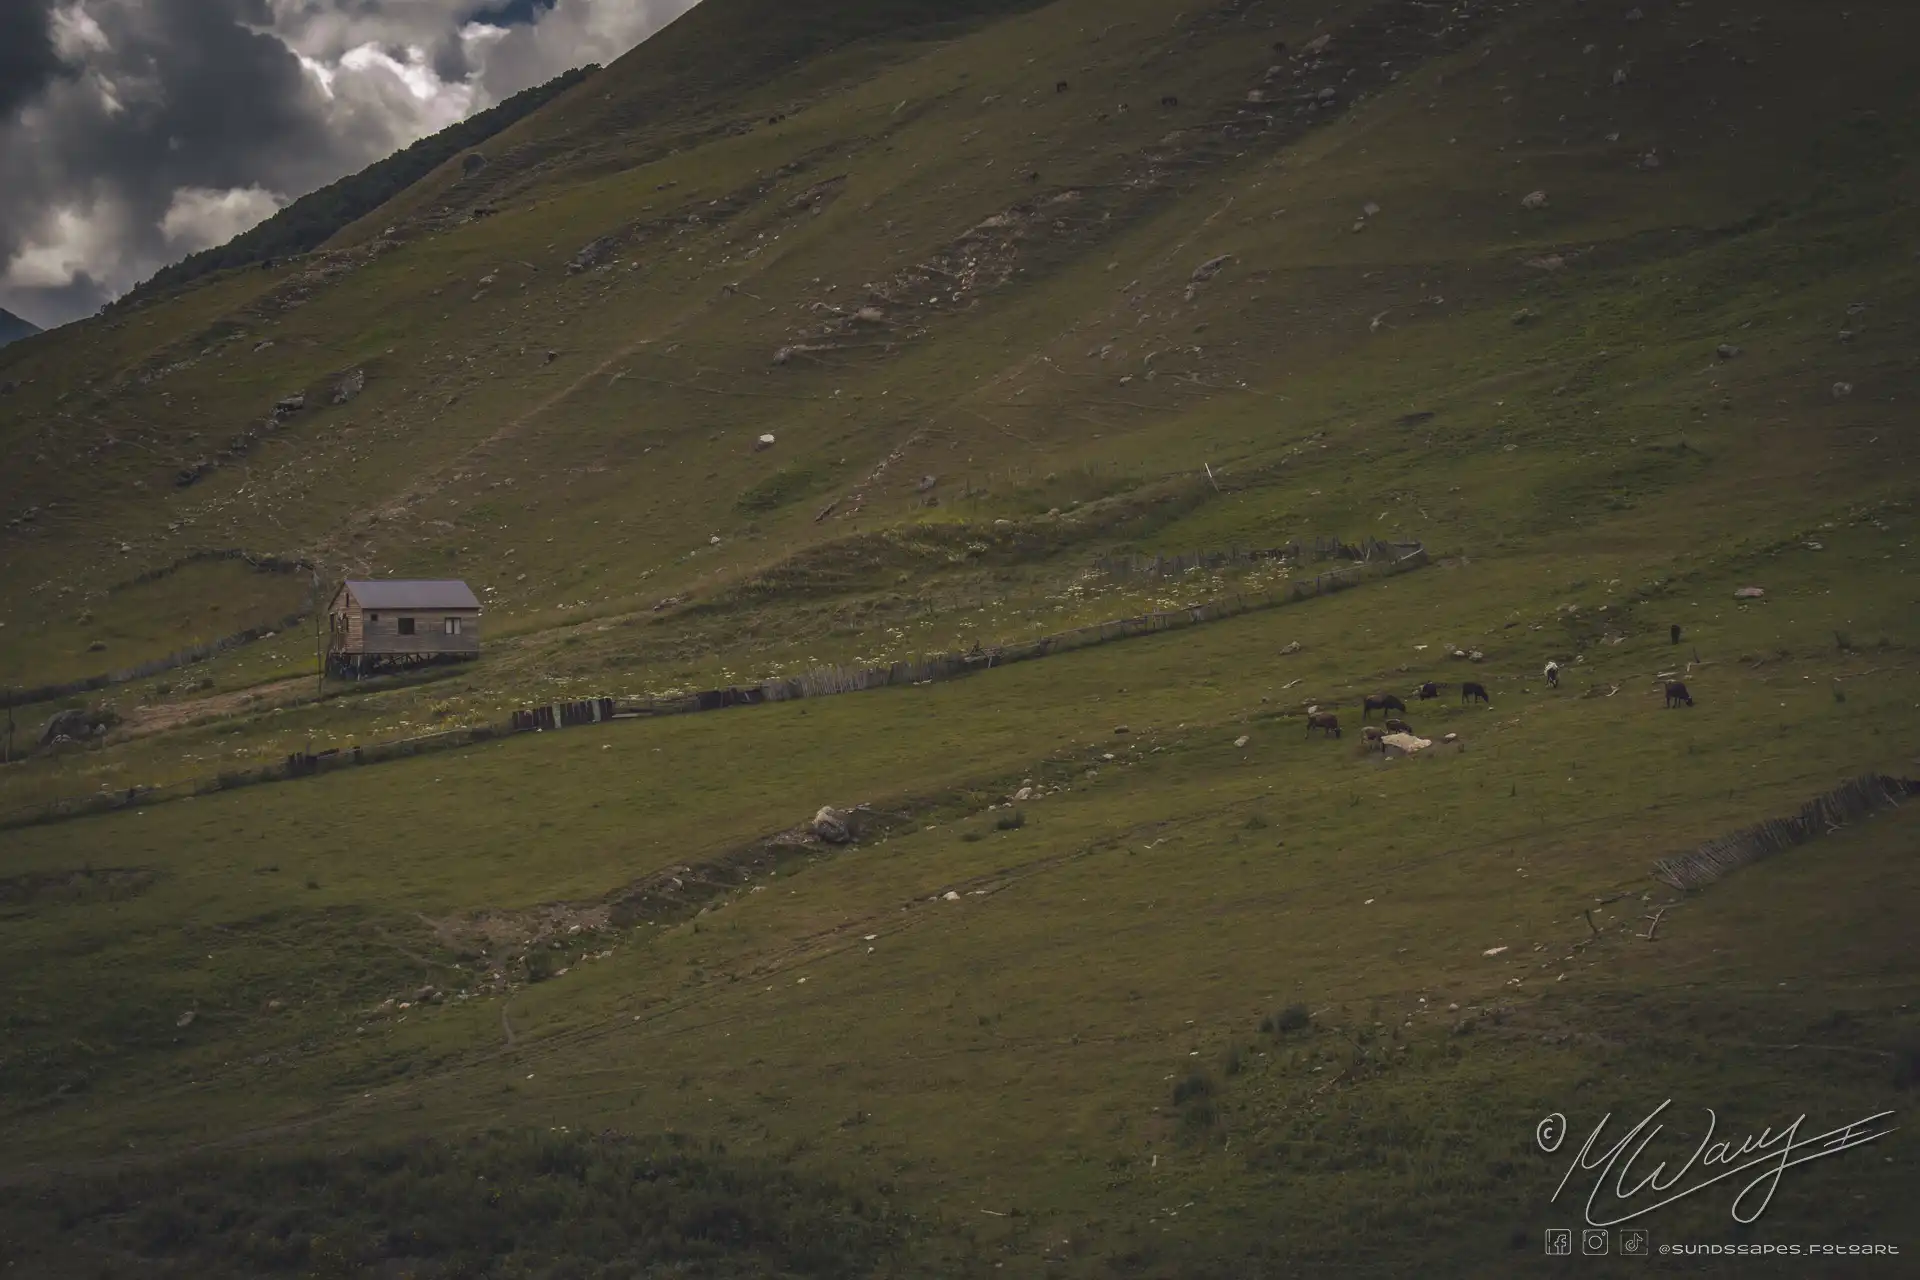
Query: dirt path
x,y
171,715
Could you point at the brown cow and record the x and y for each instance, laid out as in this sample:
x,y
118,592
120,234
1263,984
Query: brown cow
x,y
1472,689
1326,722
1396,725
1374,737
1380,702
1677,694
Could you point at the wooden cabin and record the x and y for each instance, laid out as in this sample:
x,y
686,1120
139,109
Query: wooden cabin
x,y
386,623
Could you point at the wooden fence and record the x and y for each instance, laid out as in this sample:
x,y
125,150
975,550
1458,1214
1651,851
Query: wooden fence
x,y
561,715
1165,566
1829,812
192,653
823,682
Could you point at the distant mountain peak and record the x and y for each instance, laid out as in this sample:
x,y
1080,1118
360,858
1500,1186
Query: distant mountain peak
x,y
13,328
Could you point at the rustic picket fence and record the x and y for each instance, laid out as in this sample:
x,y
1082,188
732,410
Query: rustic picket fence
x,y
192,653
1823,814
299,765
1375,560
823,682
1295,552
562,715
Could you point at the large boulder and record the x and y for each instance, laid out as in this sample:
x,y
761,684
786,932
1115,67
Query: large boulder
x,y
66,724
351,384
831,825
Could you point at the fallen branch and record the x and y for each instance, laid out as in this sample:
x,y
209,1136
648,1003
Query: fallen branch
x,y
1655,918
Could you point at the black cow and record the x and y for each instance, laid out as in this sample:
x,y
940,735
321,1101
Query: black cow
x,y
1326,722
1429,690
1470,689
1380,702
1674,631
1060,86
1677,694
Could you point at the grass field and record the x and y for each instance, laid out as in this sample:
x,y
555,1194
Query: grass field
x,y
1196,1006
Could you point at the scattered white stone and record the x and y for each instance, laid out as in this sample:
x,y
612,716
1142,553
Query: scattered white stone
x,y
951,895
1841,390
1493,951
184,1020
1534,200
1241,741
1749,593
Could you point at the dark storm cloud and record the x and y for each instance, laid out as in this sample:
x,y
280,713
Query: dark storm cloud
x,y
160,96
507,13
133,132
27,58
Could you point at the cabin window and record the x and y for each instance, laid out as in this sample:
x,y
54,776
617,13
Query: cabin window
x,y
406,626
453,626
373,617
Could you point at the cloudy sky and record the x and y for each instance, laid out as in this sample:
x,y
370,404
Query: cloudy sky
x,y
134,132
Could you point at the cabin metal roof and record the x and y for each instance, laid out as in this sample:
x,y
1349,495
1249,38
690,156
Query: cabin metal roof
x,y
417,593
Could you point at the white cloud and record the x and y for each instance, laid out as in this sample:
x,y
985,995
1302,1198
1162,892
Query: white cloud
x,y
76,35
200,218
71,241
187,121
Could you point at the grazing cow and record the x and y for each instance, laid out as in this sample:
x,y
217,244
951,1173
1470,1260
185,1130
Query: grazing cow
x,y
1397,725
1380,702
1060,86
1326,722
1677,694
1429,690
1472,689
1169,100
1374,737
1553,675
1674,631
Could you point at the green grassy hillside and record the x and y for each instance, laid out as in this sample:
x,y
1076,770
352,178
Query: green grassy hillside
x,y
1610,308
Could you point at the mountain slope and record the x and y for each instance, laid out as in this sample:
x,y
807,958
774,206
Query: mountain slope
x,y
1613,313
314,218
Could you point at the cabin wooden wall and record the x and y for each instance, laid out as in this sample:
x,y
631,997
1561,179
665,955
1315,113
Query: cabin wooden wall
x,y
377,631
